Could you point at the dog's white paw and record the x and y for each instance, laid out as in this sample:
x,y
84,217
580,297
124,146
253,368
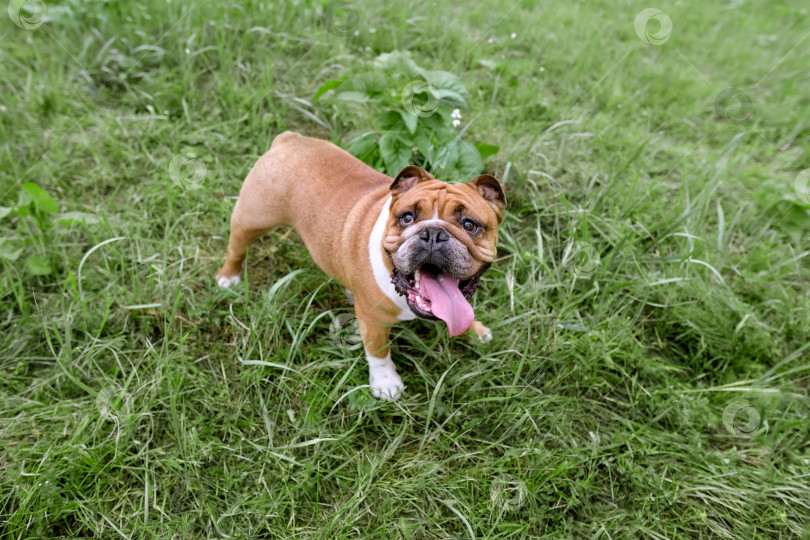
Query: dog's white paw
x,y
387,388
385,382
484,334
486,337
227,282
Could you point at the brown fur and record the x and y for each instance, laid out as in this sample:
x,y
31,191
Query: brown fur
x,y
332,199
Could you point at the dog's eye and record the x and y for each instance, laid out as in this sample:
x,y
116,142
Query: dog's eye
x,y
406,219
470,226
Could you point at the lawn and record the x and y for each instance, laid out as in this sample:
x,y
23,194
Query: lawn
x,y
650,301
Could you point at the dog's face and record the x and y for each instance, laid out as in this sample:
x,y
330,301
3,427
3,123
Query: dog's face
x,y
441,237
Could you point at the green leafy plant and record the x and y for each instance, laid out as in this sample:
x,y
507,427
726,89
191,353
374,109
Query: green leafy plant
x,y
36,213
420,120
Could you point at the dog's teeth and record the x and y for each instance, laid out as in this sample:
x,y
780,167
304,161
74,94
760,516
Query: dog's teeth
x,y
421,303
416,278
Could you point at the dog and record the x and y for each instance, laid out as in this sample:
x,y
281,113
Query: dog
x,y
404,247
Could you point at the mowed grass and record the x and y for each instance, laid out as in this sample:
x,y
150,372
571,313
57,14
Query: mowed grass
x,y
650,302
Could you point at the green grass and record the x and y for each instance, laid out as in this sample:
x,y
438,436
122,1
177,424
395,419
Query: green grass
x,y
597,410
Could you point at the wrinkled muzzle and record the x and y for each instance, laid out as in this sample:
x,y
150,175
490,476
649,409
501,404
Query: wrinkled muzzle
x,y
437,275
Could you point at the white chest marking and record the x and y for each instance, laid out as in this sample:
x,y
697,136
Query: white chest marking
x,y
381,275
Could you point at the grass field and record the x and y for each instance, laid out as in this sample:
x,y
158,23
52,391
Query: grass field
x,y
650,302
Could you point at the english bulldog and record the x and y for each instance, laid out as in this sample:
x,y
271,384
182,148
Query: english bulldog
x,y
404,247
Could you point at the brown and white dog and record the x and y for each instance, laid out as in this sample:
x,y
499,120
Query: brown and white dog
x,y
404,248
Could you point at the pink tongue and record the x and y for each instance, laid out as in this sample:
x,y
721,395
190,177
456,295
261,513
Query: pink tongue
x,y
447,302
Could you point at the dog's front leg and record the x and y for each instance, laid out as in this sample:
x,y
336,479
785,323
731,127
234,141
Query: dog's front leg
x,y
383,378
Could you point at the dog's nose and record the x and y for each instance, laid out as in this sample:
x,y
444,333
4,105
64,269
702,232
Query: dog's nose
x,y
434,235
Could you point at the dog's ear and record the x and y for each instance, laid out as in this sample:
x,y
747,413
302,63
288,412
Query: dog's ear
x,y
490,189
407,178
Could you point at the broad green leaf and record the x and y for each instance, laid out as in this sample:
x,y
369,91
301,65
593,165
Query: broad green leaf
x,y
470,163
38,265
793,220
392,121
446,158
8,251
329,85
395,154
422,142
363,145
4,211
800,195
451,98
489,64
410,120
40,197
23,200
372,83
487,150
351,95
398,62
444,80
436,124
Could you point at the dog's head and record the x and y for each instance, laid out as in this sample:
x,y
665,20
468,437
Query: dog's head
x,y
440,238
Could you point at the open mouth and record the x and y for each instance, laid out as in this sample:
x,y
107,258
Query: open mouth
x,y
434,295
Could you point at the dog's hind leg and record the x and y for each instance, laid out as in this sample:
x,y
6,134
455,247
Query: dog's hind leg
x,y
253,216
241,238
262,206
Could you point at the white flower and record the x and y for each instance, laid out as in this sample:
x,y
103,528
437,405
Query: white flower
x,y
514,35
456,114
491,40
456,122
